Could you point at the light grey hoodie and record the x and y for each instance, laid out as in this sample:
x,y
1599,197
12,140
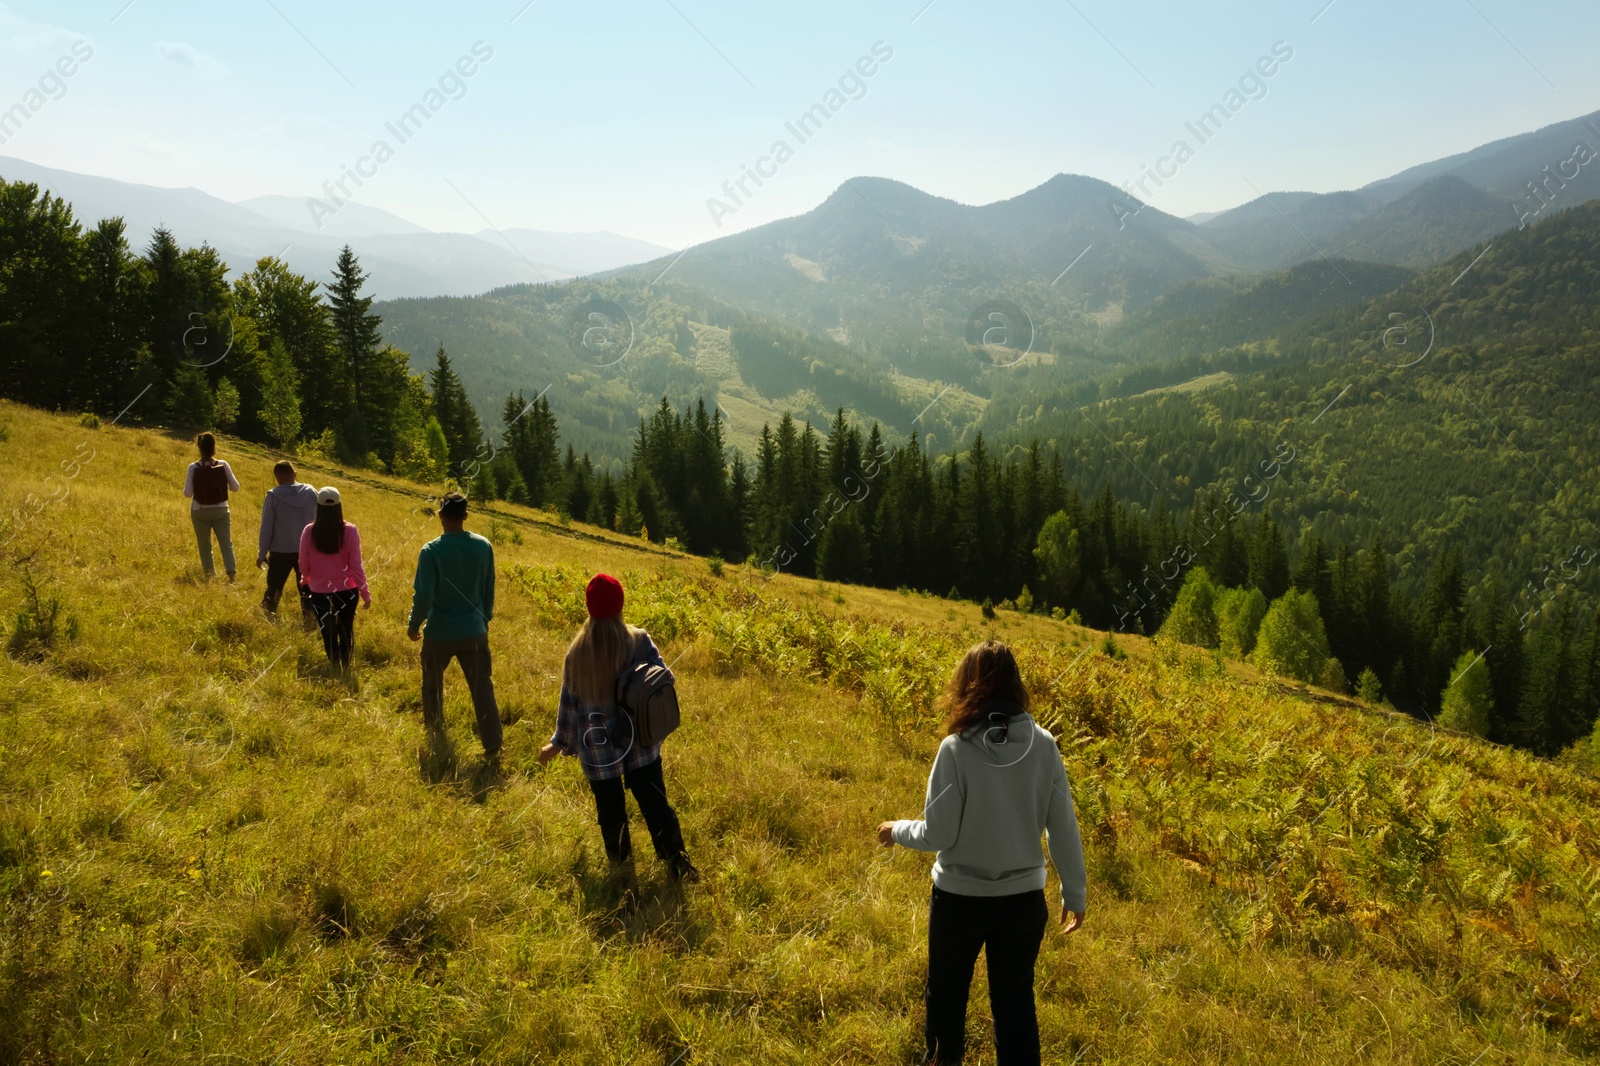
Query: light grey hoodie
x,y
288,510
988,801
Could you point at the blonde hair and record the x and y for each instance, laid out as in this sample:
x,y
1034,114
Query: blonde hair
x,y
596,656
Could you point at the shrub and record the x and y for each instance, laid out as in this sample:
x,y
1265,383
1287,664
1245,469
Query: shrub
x,y
1239,614
1333,678
1292,641
88,420
1025,601
1193,618
39,625
225,411
1468,697
501,531
673,544
1368,688
1109,648
988,608
714,564
1059,557
1058,614
324,447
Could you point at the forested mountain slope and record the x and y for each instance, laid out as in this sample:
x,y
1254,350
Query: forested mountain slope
x,y
1457,409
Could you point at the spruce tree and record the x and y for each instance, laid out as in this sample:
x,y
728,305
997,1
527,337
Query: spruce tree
x,y
456,416
355,328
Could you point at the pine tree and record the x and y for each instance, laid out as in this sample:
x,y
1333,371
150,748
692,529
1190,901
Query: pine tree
x,y
1368,687
1269,563
1374,607
842,550
456,415
355,329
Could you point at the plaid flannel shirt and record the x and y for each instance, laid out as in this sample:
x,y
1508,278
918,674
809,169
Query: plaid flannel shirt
x,y
601,734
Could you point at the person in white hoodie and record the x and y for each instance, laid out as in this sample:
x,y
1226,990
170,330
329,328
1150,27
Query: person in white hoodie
x,y
288,509
997,783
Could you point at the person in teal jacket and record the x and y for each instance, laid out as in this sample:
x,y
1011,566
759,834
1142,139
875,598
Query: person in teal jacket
x,y
452,604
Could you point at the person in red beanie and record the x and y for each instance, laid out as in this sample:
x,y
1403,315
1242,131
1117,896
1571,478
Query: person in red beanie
x,y
591,725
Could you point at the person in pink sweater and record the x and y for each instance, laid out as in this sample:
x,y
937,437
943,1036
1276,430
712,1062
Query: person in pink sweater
x,y
330,570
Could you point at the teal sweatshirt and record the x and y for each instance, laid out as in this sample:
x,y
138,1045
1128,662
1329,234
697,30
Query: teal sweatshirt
x,y
454,588
988,802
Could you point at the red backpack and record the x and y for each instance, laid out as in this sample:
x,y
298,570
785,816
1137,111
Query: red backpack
x,y
210,483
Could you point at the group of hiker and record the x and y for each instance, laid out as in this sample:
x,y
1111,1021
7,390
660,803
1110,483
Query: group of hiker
x,y
997,783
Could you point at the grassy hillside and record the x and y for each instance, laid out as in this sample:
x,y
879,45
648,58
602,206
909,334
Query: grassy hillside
x,y
211,851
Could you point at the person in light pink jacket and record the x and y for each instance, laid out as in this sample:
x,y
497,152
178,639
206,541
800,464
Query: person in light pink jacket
x,y
330,570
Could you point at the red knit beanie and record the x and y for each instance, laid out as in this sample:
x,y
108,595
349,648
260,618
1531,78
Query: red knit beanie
x,y
604,596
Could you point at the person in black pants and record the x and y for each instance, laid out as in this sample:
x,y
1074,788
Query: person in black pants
x,y
332,574
289,507
1010,928
335,613
997,783
591,725
649,790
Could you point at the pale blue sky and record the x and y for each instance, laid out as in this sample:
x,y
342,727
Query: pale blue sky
x,y
628,115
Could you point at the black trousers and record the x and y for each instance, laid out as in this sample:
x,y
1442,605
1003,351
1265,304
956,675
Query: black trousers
x,y
1010,930
336,618
650,791
279,566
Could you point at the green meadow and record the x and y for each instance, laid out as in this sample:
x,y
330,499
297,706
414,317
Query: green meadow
x,y
212,850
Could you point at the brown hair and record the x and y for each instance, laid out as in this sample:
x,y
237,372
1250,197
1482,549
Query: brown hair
x,y
207,445
596,657
987,673
283,466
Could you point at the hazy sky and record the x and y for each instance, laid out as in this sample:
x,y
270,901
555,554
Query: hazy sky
x,y
628,116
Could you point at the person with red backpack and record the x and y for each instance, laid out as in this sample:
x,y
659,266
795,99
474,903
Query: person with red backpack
x,y
592,724
207,485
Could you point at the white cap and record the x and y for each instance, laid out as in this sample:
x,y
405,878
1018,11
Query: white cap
x,y
329,495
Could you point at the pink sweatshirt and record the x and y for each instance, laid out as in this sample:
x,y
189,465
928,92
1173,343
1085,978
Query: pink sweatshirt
x,y
333,573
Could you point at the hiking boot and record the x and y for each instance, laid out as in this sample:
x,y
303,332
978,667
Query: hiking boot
x,y
679,868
